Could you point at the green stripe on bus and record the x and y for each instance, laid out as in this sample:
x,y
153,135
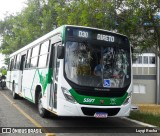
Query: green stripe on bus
x,y
44,80
32,84
103,101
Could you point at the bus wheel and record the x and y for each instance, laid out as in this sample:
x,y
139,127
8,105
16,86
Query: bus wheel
x,y
14,95
43,112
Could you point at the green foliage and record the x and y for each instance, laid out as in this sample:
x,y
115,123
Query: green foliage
x,y
139,22
33,22
86,13
3,71
48,18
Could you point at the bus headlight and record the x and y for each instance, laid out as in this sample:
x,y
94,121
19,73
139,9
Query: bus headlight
x,y
128,99
67,95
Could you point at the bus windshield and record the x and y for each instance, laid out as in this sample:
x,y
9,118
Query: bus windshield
x,y
96,65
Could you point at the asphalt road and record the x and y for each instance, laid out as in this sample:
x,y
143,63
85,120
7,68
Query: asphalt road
x,y
24,114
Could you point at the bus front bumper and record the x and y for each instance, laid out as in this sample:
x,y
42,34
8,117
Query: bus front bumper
x,y
66,108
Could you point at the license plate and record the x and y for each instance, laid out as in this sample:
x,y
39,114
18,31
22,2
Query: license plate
x,y
100,115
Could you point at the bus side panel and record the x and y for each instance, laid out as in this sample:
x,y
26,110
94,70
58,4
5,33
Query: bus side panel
x,y
44,81
30,79
16,79
8,82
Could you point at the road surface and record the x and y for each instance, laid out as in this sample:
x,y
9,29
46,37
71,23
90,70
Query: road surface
x,y
23,114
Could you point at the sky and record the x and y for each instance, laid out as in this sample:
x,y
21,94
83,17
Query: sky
x,y
8,7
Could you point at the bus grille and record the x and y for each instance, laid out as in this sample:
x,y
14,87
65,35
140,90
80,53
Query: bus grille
x,y
92,111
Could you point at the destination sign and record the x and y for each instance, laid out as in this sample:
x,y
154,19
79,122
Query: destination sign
x,y
89,34
107,38
83,34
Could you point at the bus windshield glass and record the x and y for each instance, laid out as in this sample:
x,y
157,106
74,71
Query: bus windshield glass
x,y
96,65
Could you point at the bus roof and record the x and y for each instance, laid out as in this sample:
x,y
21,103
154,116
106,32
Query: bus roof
x,y
53,32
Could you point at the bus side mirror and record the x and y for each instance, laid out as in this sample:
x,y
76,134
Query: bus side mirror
x,y
60,52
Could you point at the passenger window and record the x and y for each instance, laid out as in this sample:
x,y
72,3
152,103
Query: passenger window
x,y
28,59
14,67
34,62
35,51
44,48
43,57
42,60
18,61
34,58
11,64
23,59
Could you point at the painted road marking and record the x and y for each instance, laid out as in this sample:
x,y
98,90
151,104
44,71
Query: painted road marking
x,y
138,122
28,117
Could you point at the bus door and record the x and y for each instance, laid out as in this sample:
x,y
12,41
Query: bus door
x,y
55,66
22,65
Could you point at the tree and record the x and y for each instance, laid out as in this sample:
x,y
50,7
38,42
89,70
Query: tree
x,y
92,13
48,17
140,21
33,22
3,70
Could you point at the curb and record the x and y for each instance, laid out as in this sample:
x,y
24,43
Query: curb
x,y
138,122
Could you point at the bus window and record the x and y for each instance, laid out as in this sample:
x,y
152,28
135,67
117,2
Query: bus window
x,y
18,61
43,60
43,54
34,62
28,59
35,51
11,64
15,62
23,58
34,57
8,68
44,48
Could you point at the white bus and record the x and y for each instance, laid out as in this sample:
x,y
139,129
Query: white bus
x,y
74,71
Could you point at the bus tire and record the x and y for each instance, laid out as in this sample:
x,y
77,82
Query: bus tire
x,y
14,95
42,112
